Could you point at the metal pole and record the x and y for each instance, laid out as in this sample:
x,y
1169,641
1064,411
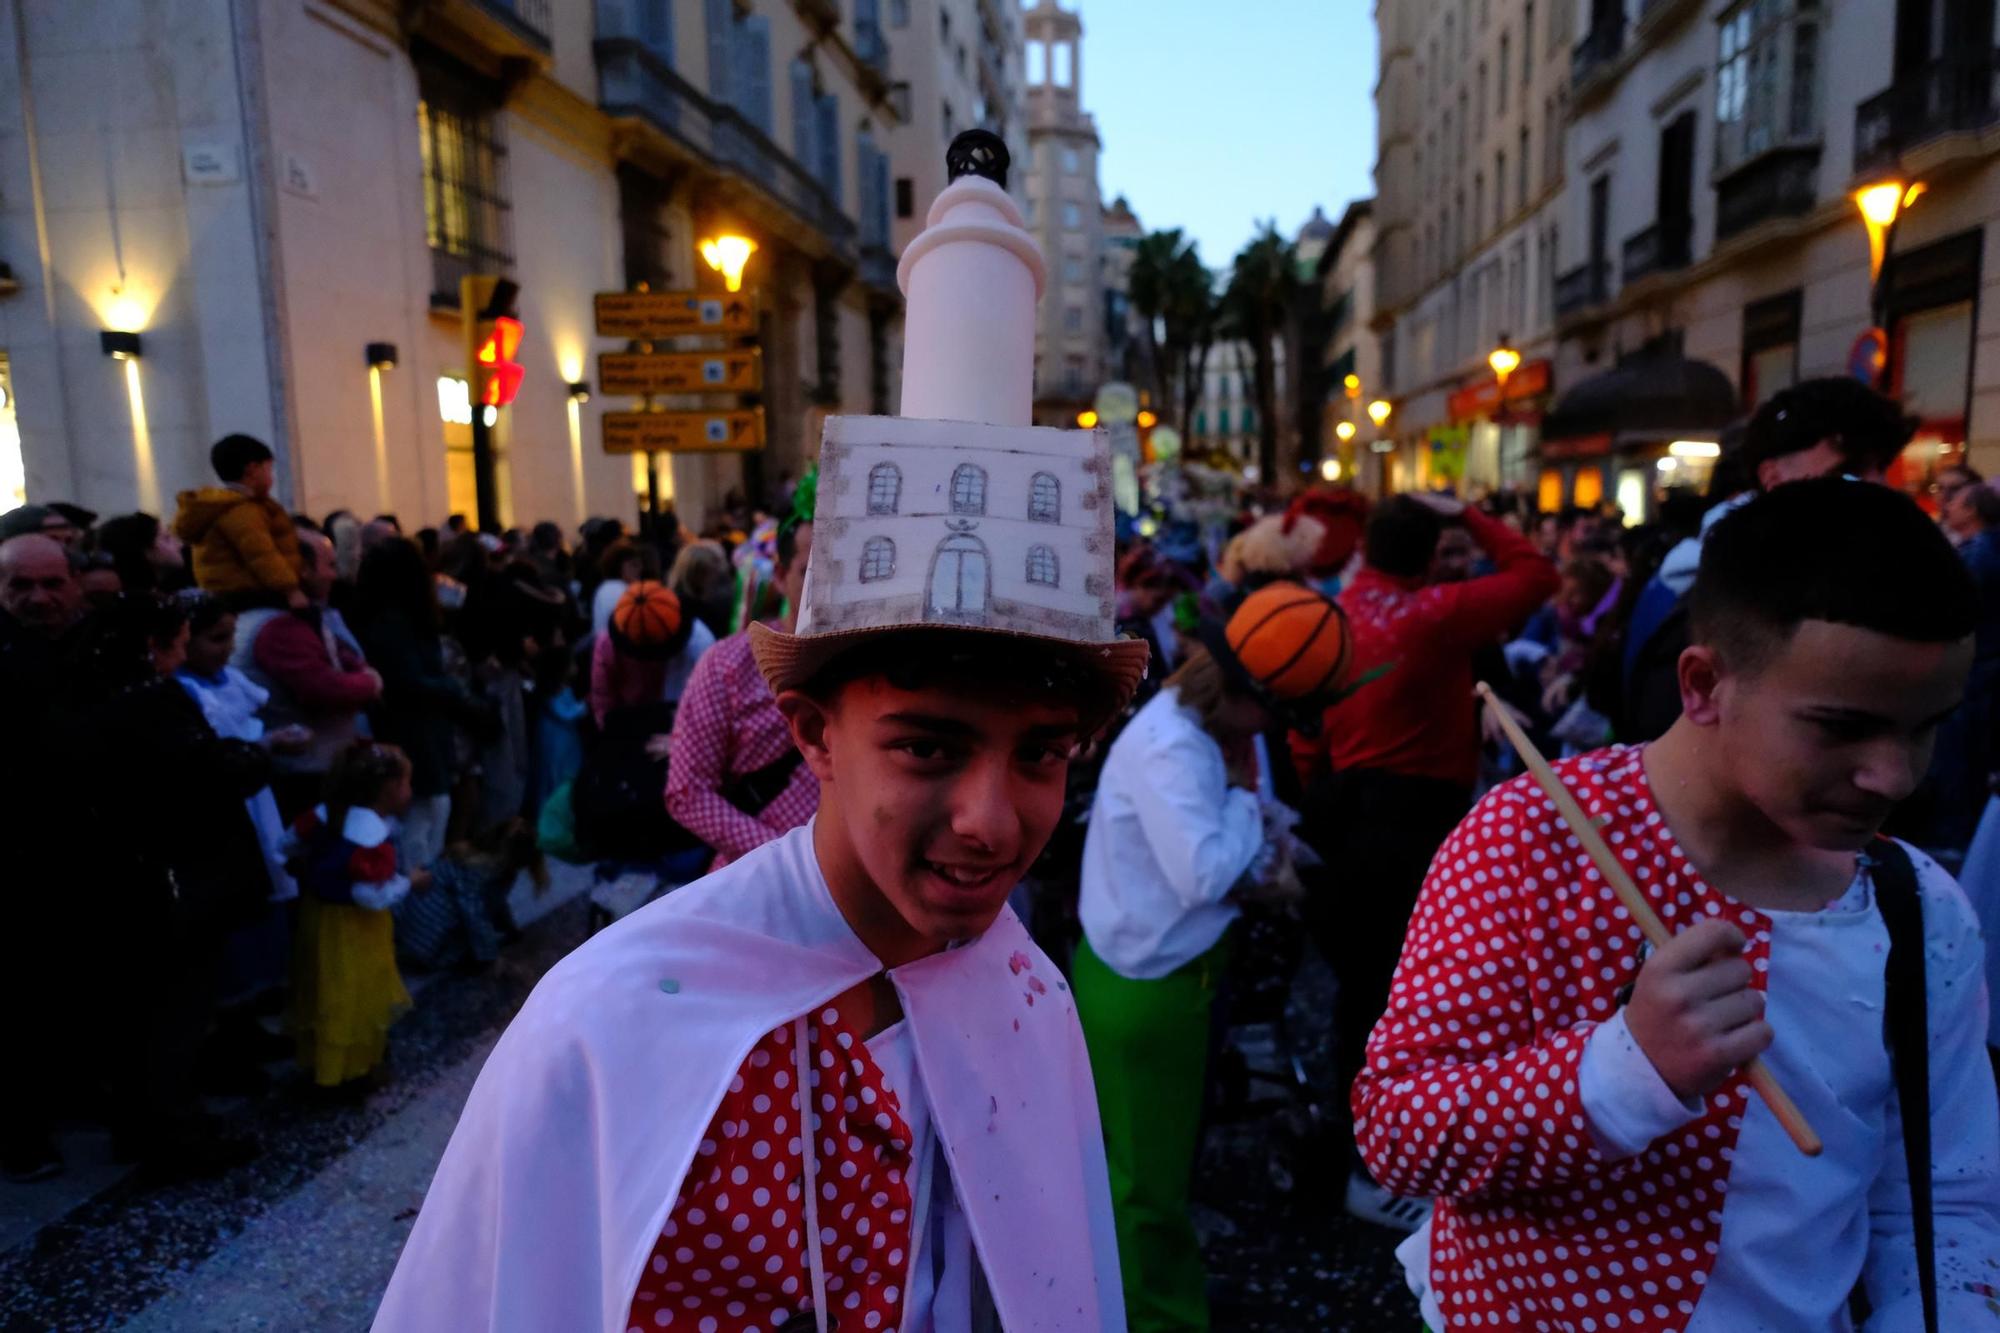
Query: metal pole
x,y
484,488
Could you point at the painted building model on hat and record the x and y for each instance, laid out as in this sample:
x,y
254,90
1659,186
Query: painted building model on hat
x,y
630,1156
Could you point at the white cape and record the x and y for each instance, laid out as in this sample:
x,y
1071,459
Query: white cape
x,y
573,1144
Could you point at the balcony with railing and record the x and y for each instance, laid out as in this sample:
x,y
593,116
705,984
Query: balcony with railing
x,y
1583,288
1660,248
528,18
1657,16
634,81
1595,57
1944,97
1780,183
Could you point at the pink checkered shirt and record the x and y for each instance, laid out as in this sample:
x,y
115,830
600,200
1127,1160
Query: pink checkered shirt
x,y
728,725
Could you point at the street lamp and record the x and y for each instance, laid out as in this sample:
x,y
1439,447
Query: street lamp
x,y
1087,419
1344,431
1881,205
1505,361
1378,412
727,254
1351,385
1330,469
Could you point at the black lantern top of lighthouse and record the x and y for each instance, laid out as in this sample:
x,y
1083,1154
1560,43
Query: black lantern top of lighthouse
x,y
978,153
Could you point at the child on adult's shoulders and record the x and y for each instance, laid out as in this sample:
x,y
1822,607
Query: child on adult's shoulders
x,y
1580,1110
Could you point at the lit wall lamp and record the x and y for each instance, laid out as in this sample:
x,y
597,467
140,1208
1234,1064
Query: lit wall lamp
x,y
727,255
381,356
119,344
1378,412
579,391
1504,360
1345,431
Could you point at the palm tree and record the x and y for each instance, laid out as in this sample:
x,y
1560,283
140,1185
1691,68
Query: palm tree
x,y
1256,303
1174,296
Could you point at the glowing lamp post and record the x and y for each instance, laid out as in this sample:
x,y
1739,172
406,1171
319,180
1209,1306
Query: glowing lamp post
x,y
1378,412
727,255
1505,361
1881,205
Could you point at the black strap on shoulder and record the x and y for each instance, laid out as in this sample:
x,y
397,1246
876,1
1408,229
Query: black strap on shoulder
x,y
1909,1046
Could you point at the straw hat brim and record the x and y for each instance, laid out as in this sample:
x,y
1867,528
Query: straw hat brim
x,y
789,661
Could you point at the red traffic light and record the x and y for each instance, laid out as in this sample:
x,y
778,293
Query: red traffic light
x,y
499,376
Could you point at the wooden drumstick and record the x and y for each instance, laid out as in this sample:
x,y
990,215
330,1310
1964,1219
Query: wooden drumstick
x,y
1650,925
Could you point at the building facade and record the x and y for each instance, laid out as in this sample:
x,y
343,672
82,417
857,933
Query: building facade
x,y
1225,415
277,185
1714,150
958,66
1470,108
1065,215
1346,283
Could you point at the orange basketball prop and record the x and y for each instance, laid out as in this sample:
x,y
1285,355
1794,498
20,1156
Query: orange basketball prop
x,y
648,613
1290,640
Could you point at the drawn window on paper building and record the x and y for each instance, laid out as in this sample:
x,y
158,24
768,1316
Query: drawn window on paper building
x,y
878,559
1766,78
1042,566
885,488
960,575
968,489
1045,498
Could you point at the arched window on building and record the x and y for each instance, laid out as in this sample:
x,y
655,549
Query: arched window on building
x,y
1045,498
885,488
968,489
878,559
1042,566
961,576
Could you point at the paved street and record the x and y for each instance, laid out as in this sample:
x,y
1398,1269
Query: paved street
x,y
306,1236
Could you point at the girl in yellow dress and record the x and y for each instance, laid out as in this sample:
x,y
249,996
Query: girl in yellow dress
x,y
346,990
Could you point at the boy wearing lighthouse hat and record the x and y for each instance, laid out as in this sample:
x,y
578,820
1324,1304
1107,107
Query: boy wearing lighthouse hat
x,y
835,1084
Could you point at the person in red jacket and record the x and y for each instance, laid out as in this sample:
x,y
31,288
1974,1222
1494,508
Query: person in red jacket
x,y
316,676
1391,771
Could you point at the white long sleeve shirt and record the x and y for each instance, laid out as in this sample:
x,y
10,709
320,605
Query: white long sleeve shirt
x,y
1168,839
1796,1232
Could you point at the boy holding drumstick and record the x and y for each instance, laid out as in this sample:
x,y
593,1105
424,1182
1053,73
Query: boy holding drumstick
x,y
1581,1110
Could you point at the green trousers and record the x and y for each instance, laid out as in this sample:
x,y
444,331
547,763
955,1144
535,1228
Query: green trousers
x,y
1149,1053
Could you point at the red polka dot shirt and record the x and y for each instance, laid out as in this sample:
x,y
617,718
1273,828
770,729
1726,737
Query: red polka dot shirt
x,y
1515,953
732,1256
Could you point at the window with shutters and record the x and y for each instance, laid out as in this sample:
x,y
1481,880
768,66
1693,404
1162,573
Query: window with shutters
x,y
878,559
750,80
826,137
804,122
719,22
885,488
968,489
1045,498
1042,566
653,20
872,185
1766,78
899,13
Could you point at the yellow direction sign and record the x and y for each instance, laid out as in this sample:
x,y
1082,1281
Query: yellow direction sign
x,y
680,372
683,432
674,314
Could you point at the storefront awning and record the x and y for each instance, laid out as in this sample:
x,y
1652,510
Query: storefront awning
x,y
1661,397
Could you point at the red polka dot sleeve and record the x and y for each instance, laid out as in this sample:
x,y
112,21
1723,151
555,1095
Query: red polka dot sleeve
x,y
1469,1089
732,1256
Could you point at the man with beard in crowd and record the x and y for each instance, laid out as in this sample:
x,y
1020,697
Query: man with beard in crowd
x,y
41,612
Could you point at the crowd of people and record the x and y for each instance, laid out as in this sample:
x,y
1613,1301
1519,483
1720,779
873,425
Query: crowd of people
x,y
300,756
268,762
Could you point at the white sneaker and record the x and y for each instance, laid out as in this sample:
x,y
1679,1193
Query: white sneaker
x,y
1371,1203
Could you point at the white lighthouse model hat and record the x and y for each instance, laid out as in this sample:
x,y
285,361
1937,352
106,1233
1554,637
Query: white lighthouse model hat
x,y
959,514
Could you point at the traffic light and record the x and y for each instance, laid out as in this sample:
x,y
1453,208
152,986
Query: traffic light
x,y
492,337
